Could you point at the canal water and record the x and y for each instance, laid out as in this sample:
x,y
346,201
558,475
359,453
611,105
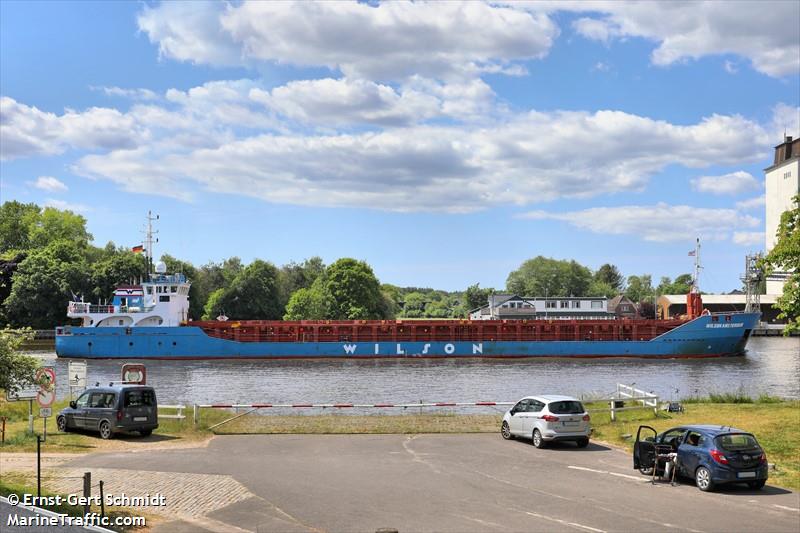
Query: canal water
x,y
772,365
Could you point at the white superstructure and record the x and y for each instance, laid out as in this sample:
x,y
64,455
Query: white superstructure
x,y
161,301
782,184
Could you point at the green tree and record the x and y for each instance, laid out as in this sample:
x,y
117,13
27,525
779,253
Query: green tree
x,y
414,305
608,274
208,279
309,303
475,297
785,257
54,225
640,288
295,276
355,290
601,288
543,276
115,269
43,284
253,294
196,300
16,221
681,285
16,370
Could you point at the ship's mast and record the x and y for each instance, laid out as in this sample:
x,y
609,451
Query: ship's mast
x,y
697,267
149,240
752,278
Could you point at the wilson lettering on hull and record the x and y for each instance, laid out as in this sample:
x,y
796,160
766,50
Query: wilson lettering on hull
x,y
705,336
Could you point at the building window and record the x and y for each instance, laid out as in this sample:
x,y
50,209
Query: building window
x,y
597,304
564,304
550,304
576,304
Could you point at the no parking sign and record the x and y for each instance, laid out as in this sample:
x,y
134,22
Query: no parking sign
x,y
46,378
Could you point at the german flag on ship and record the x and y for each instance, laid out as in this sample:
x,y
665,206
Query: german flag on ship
x,y
138,249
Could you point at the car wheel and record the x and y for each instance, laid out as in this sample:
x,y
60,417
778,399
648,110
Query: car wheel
x,y
145,432
61,422
646,470
537,439
702,478
582,443
105,430
505,431
757,484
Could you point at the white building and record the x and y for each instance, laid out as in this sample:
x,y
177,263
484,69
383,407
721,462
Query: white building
x,y
511,306
783,183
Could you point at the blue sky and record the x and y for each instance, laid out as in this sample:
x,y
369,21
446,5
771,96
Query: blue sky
x,y
442,143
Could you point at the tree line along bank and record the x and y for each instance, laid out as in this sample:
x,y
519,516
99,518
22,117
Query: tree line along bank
x,y
47,257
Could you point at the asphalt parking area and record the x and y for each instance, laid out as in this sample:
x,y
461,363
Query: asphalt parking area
x,y
449,483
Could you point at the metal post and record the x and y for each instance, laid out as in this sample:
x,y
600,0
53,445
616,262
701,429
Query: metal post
x,y
102,502
38,466
613,410
87,492
30,416
3,438
196,414
45,430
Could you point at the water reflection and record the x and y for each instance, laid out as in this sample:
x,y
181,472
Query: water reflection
x,y
772,365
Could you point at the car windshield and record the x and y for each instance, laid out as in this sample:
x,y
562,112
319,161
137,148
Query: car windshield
x,y
566,407
736,441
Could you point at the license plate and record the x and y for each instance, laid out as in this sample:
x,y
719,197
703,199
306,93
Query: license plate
x,y
570,423
140,419
746,474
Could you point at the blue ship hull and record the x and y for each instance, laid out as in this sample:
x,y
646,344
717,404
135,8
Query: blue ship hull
x,y
705,336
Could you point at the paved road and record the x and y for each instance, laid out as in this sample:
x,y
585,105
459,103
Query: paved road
x,y
452,483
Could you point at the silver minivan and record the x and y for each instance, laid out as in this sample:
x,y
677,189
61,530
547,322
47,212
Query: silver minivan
x,y
546,419
112,409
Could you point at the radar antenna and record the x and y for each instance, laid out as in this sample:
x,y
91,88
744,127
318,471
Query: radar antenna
x,y
752,278
149,240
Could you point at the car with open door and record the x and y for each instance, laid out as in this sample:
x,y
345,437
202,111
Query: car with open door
x,y
549,418
711,455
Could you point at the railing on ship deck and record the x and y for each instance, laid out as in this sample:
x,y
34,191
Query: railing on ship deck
x,y
564,330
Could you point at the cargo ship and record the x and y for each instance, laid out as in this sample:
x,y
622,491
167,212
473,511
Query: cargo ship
x,y
150,321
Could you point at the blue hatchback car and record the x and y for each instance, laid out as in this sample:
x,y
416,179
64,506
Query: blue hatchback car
x,y
711,455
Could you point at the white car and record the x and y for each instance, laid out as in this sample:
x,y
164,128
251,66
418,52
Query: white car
x,y
548,418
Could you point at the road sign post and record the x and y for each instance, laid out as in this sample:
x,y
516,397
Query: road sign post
x,y
77,376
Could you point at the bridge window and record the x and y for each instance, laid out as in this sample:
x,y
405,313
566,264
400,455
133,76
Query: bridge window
x,y
173,288
163,298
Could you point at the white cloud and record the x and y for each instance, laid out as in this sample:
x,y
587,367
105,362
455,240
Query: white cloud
x,y
28,131
733,183
748,238
132,94
785,120
67,206
388,41
526,159
601,67
334,103
50,184
658,223
753,203
730,67
767,32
